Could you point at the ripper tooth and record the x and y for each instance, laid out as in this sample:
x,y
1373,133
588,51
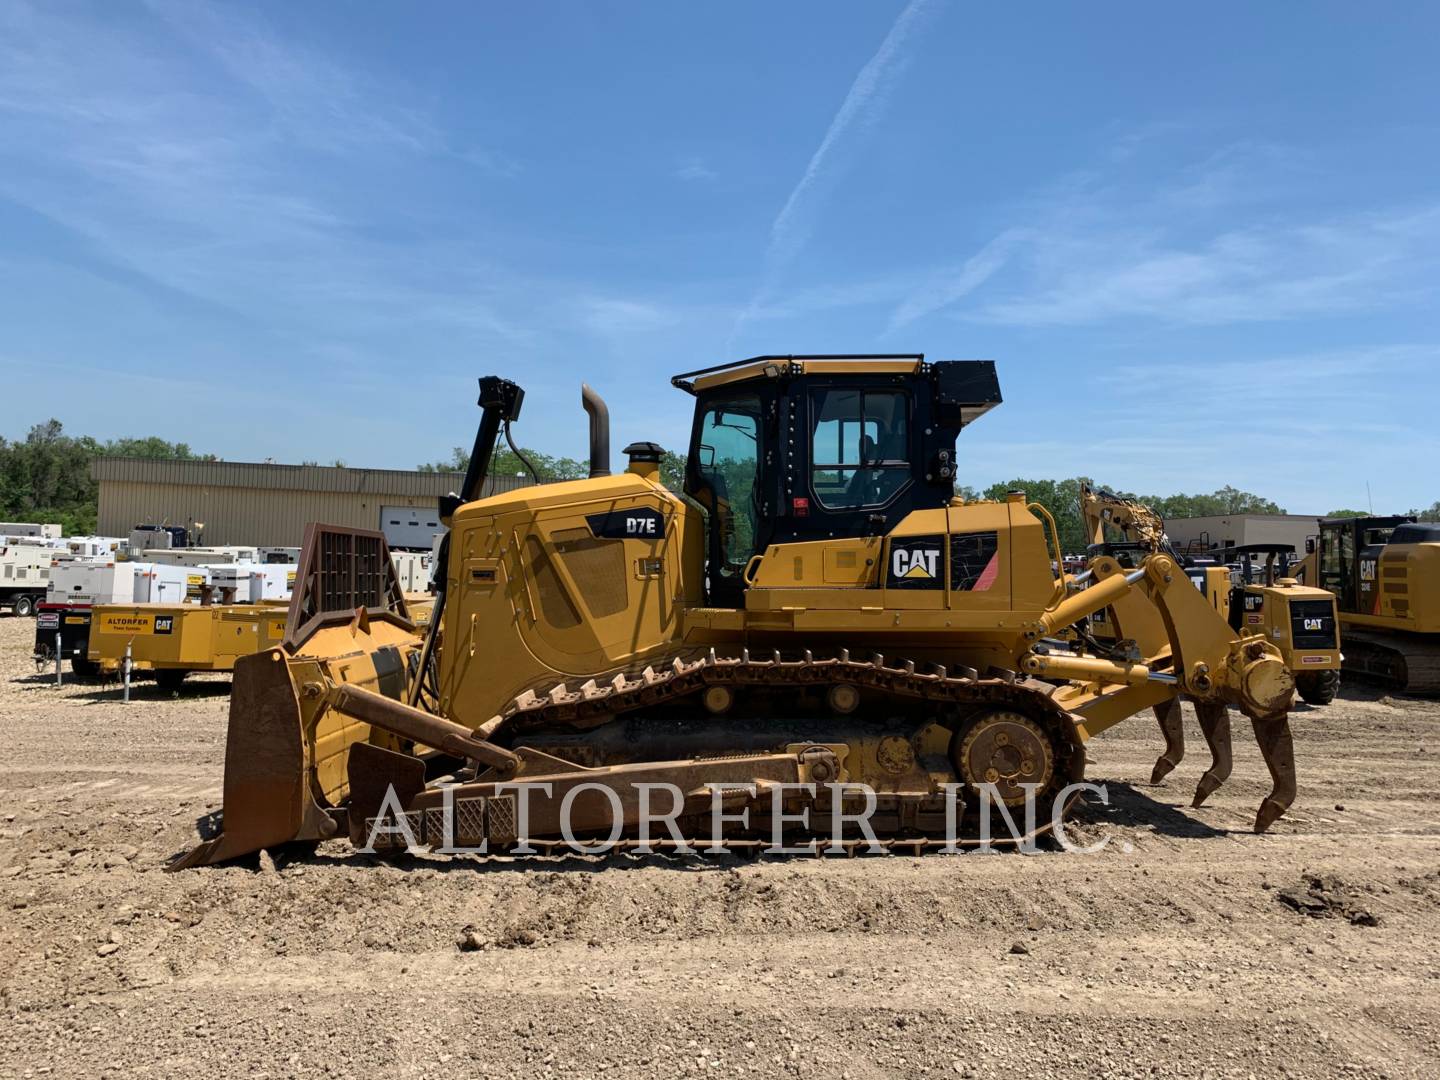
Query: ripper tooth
x,y
1215,724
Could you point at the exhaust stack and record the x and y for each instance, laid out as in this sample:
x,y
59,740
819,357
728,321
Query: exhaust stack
x,y
599,430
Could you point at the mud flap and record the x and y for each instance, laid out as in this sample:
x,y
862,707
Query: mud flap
x,y
267,798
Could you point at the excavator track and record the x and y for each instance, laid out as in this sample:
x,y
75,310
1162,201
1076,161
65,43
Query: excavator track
x,y
1399,661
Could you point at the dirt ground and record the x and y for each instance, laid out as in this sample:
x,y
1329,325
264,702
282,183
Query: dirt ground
x,y
1170,953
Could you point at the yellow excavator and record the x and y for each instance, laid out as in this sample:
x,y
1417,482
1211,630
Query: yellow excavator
x,y
814,622
1385,572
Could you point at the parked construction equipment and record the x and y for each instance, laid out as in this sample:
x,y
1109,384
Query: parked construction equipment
x,y
173,640
1260,597
817,607
76,588
30,528
1385,574
1301,620
24,576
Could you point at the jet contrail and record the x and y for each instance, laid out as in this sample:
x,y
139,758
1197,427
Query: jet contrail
x,y
790,231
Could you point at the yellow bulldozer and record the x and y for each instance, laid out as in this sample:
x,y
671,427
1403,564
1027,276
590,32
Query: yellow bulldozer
x,y
815,624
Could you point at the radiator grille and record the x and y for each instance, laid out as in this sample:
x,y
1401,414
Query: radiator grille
x,y
598,567
555,603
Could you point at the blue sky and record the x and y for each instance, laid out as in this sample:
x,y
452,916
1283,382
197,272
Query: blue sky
x,y
1203,244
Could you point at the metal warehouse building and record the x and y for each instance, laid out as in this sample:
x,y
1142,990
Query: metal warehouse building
x,y
266,505
1202,533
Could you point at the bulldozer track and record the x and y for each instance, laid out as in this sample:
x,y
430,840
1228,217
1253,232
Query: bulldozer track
x,y
594,702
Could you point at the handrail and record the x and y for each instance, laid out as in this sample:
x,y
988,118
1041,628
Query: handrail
x,y
750,567
1055,536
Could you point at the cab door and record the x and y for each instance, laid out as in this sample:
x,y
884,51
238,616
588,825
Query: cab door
x,y
1337,562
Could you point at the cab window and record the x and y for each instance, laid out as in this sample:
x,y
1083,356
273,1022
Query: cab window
x,y
859,447
728,449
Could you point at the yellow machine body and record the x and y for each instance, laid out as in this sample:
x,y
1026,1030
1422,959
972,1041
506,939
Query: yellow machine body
x,y
1385,574
183,637
605,632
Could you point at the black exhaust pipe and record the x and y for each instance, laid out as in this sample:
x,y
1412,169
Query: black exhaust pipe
x,y
599,430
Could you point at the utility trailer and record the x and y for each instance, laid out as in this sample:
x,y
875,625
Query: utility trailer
x,y
172,640
250,583
242,611
95,547
24,577
204,556
412,568
160,537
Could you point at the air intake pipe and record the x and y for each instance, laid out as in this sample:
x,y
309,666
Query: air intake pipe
x,y
599,430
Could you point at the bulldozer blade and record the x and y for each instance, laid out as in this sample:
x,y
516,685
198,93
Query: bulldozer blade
x,y
374,772
1173,728
1278,749
1215,725
267,799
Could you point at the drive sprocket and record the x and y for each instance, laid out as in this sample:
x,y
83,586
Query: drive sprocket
x,y
1007,749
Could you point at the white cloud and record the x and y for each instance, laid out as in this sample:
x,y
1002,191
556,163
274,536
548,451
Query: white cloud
x,y
1247,274
865,98
314,98
952,284
614,316
1213,242
193,187
694,168
1288,426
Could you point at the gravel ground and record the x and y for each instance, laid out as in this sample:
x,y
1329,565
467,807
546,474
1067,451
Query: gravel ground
x,y
1172,953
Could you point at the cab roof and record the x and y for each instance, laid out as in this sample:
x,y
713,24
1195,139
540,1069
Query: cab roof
x,y
774,366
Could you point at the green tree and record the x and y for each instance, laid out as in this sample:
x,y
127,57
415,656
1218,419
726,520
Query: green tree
x,y
506,463
672,470
153,446
1430,513
1228,500
458,460
1060,497
46,477
1347,513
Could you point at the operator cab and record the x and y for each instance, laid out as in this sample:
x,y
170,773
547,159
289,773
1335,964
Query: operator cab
x,y
793,448
1349,553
